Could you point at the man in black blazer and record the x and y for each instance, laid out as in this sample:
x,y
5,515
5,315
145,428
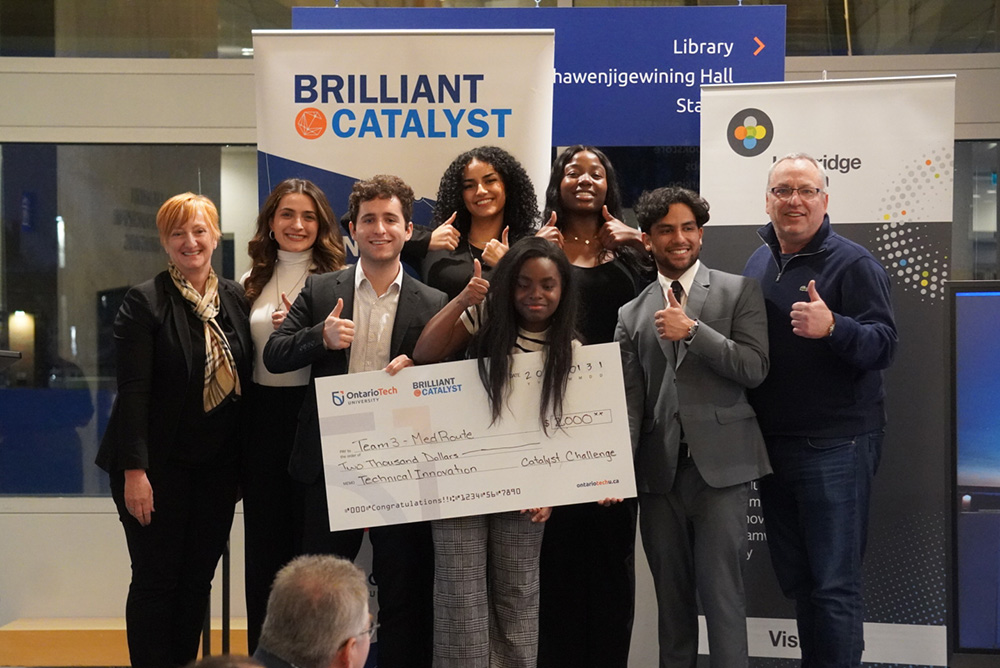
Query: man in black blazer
x,y
691,344
364,318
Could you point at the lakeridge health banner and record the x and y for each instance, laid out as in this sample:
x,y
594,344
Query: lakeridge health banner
x,y
624,76
887,146
888,143
338,106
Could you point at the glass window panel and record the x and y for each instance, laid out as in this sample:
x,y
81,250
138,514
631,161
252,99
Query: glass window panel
x,y
222,28
79,230
974,232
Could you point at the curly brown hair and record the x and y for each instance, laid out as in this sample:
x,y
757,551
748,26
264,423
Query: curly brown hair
x,y
327,251
381,186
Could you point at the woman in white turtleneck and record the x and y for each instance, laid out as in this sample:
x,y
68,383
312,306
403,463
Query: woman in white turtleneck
x,y
297,234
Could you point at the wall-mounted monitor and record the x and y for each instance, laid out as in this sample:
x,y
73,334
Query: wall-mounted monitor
x,y
975,397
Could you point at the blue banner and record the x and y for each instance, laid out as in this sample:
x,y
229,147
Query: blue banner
x,y
624,76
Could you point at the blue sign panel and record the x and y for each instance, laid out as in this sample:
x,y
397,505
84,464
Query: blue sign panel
x,y
625,76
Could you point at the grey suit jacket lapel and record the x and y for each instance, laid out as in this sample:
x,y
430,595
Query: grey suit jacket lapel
x,y
652,302
695,303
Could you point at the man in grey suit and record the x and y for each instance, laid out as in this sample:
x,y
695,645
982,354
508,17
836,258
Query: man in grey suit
x,y
365,318
691,344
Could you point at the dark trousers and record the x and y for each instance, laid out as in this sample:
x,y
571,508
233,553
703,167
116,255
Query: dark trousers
x,y
587,586
403,570
815,507
272,507
174,559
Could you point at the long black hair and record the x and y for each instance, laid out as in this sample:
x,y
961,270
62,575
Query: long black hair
x,y
553,201
635,260
520,213
493,343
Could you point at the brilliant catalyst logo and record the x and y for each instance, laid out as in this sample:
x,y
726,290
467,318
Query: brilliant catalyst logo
x,y
361,396
436,386
390,106
310,123
750,132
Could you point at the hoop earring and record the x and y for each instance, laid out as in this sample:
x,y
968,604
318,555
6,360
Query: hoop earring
x,y
270,235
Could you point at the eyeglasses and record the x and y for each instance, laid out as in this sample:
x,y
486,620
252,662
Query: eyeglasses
x,y
370,631
784,192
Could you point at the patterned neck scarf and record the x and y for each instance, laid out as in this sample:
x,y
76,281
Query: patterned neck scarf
x,y
221,378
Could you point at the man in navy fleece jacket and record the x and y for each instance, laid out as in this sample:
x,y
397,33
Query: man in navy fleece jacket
x,y
831,333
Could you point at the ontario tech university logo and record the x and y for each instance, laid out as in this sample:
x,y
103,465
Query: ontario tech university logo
x,y
750,132
371,395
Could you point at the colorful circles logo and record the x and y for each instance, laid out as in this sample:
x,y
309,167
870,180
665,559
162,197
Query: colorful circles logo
x,y
750,132
310,123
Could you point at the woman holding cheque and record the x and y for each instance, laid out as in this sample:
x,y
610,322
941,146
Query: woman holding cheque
x,y
486,578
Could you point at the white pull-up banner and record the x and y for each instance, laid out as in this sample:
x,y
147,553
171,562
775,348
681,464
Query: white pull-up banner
x,y
337,106
887,146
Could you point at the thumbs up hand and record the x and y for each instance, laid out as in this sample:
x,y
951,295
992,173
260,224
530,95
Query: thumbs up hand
x,y
672,324
495,249
550,231
812,319
278,316
338,333
613,232
445,235
475,292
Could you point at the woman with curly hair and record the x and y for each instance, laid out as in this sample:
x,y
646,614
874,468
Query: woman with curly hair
x,y
297,235
485,202
587,563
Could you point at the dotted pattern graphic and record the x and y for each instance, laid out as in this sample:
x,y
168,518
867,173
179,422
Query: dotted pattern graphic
x,y
913,262
921,182
905,572
904,578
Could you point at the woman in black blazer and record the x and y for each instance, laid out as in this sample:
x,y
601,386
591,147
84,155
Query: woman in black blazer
x,y
171,446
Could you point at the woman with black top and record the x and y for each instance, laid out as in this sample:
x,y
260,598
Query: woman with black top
x,y
487,200
171,447
587,563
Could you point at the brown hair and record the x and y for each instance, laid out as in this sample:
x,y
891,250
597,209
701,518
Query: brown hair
x,y
381,186
327,251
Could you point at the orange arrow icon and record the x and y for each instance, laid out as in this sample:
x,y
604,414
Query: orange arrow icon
x,y
760,45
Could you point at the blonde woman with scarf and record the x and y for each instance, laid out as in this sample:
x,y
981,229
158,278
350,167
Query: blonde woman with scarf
x,y
171,447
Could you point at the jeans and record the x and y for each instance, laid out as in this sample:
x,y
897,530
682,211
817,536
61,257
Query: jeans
x,y
815,509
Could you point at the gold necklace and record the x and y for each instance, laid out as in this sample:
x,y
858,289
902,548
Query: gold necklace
x,y
277,288
585,241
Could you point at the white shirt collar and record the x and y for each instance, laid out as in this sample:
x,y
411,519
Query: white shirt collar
x,y
686,279
360,277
